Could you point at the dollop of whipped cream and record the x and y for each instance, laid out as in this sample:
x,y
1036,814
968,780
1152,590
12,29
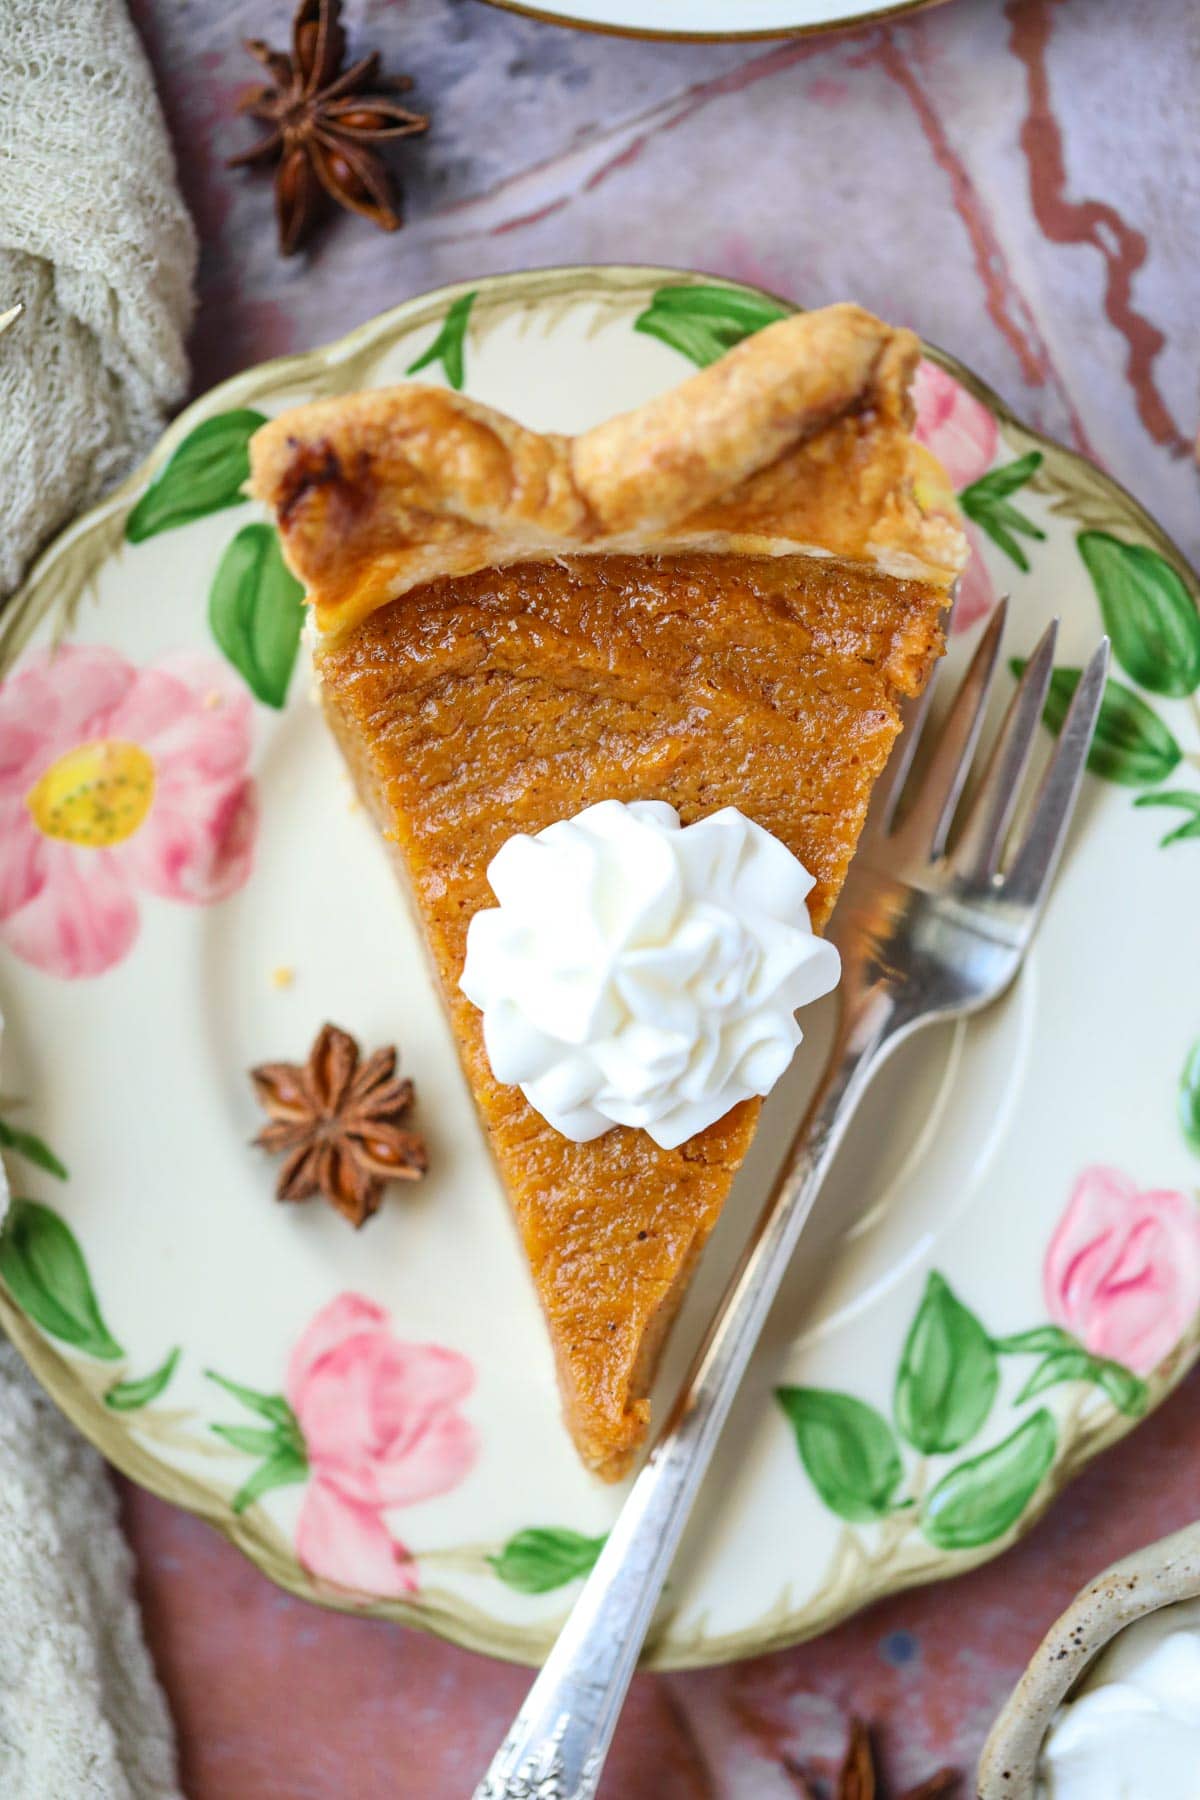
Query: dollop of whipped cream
x,y
1133,1728
639,972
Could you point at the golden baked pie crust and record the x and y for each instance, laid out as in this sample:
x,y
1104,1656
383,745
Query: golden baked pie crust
x,y
798,440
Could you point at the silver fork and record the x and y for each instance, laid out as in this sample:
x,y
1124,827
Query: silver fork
x,y
929,927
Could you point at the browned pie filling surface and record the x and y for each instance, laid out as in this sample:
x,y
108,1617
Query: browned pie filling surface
x,y
502,701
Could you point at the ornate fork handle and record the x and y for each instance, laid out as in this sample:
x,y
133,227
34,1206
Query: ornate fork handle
x,y
559,1739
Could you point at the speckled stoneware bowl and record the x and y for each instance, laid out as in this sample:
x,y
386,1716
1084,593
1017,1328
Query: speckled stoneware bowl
x,y
1158,1575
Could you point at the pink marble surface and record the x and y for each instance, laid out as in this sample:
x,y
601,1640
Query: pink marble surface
x,y
1014,179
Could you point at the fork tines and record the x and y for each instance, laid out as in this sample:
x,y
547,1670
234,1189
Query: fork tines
x,y
1036,857
914,815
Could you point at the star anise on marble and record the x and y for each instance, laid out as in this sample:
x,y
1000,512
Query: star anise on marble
x,y
338,1123
858,1778
325,125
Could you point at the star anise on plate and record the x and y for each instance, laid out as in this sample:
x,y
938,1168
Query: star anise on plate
x,y
858,1778
325,126
338,1123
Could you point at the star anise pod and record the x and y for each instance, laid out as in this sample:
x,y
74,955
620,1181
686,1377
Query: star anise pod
x,y
324,126
858,1778
338,1124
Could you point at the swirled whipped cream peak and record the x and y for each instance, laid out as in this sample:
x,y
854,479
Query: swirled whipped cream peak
x,y
1133,1727
642,972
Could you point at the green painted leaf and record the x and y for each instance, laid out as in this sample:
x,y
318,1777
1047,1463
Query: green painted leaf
x,y
205,475
282,1447
705,321
1060,1365
543,1558
998,484
948,1376
448,346
44,1270
1127,1393
1148,613
268,1406
986,503
127,1396
254,1440
1040,1339
31,1147
847,1449
1183,798
979,1500
1131,744
284,1469
1005,525
1189,1098
256,611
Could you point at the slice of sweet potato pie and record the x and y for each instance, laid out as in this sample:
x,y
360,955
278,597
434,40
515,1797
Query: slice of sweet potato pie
x,y
716,604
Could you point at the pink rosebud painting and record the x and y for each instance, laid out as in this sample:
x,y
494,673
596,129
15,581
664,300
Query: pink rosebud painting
x,y
382,1428
117,781
1122,1272
964,436
951,422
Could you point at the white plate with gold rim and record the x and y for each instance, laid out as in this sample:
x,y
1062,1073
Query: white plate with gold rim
x,y
715,20
1002,1277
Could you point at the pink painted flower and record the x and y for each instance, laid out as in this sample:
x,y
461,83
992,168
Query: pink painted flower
x,y
976,593
963,435
115,780
1122,1273
382,1428
951,422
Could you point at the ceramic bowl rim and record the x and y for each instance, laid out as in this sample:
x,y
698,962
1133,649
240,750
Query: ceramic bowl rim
x,y
1157,1575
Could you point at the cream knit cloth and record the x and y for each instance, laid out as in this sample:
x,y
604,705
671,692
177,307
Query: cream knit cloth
x,y
95,241
81,1714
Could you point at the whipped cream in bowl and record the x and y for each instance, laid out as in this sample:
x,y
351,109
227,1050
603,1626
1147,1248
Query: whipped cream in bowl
x,y
1132,1727
641,972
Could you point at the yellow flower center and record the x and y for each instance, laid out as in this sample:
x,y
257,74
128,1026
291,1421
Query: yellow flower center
x,y
96,795
931,490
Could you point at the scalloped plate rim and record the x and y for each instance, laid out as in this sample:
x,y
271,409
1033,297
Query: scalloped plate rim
x,y
462,1622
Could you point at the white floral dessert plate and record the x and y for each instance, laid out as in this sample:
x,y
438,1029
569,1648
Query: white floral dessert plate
x,y
714,19
1004,1273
